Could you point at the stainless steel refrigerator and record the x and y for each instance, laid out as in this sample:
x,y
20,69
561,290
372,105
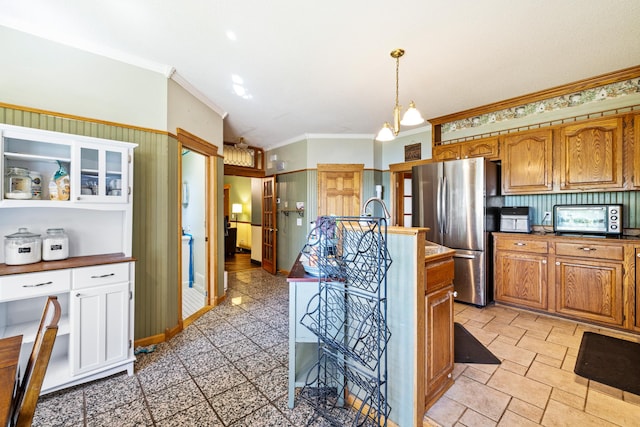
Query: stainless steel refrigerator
x,y
459,202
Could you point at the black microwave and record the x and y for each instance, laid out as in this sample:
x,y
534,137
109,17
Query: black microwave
x,y
588,219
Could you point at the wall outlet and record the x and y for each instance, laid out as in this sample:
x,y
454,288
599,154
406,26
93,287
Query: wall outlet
x,y
286,204
546,217
299,222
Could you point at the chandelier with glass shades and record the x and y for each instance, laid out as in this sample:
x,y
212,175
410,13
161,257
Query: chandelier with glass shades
x,y
412,116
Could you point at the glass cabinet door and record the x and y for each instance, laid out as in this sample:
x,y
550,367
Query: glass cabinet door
x,y
103,175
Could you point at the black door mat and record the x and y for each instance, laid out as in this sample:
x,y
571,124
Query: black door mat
x,y
611,361
467,349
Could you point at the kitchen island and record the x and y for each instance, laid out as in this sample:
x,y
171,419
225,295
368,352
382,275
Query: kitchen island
x,y
420,350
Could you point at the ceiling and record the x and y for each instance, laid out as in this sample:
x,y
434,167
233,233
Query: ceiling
x,y
324,66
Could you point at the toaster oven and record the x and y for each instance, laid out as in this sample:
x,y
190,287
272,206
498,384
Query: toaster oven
x,y
588,219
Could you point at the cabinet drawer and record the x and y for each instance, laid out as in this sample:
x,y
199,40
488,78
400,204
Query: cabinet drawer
x,y
588,250
98,275
438,274
20,286
522,245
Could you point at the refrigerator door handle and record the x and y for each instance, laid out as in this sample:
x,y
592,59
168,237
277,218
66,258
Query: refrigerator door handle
x,y
439,206
445,214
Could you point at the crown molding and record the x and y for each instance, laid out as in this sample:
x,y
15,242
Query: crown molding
x,y
172,74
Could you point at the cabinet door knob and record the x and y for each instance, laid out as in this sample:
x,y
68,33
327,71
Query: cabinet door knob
x,y
455,294
544,261
557,262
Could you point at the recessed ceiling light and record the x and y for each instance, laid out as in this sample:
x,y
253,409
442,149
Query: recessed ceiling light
x,y
239,90
231,36
237,79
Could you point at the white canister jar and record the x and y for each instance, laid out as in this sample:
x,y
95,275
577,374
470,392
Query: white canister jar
x,y
55,245
22,247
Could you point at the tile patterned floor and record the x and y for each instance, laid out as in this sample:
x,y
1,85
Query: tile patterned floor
x,y
535,384
229,369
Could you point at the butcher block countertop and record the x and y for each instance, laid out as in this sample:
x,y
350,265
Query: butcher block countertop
x,y
72,262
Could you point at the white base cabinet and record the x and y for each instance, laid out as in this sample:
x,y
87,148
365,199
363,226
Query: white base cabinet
x,y
100,322
95,332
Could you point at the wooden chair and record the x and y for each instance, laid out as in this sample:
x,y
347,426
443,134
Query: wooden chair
x,y
26,398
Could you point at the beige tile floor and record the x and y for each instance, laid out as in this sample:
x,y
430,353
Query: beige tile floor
x,y
535,384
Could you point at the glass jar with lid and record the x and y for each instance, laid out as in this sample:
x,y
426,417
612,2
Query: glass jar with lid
x,y
17,183
22,247
55,245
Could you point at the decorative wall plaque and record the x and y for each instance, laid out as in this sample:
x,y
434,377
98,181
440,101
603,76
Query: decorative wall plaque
x,y
412,152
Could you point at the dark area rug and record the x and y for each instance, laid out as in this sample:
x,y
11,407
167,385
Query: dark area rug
x,y
467,349
611,361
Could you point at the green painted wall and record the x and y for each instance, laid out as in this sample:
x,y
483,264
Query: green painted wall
x,y
155,239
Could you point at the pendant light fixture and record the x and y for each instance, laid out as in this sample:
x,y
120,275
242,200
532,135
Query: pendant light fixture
x,y
411,117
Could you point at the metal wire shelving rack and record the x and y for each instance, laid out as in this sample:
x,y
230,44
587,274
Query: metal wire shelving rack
x,y
348,384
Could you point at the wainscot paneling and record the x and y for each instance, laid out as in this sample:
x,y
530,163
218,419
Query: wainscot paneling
x,y
542,203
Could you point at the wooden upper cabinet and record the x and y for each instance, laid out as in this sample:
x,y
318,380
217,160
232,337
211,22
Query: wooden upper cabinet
x,y
486,147
446,152
527,162
591,155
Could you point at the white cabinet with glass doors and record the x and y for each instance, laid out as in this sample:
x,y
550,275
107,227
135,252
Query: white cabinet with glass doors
x,y
98,169
95,285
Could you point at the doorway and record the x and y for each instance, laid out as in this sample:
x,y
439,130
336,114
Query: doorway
x,y
198,207
194,272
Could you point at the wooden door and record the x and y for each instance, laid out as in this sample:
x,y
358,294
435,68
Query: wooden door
x,y
527,162
269,224
339,189
591,156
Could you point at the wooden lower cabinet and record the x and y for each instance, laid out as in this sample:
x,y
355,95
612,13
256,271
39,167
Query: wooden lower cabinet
x,y
521,278
521,271
439,329
591,290
591,280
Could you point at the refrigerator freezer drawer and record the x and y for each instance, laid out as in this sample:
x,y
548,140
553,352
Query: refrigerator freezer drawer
x,y
469,278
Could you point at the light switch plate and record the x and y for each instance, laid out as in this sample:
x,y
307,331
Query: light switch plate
x,y
299,222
